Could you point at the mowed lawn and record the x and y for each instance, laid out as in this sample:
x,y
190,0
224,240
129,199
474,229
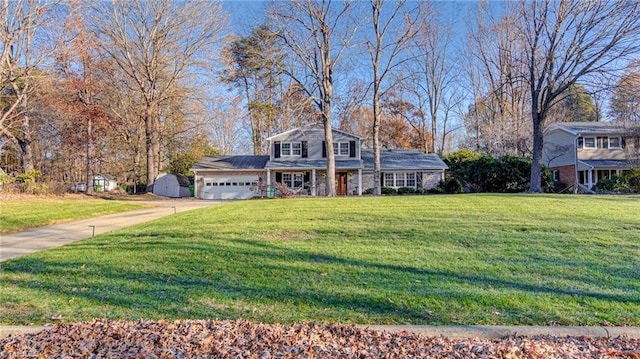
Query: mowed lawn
x,y
21,214
449,259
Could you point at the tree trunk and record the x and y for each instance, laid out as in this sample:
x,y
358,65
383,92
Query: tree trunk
x,y
25,145
331,161
89,144
535,185
377,183
151,142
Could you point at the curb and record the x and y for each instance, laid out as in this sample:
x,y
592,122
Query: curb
x,y
450,331
499,331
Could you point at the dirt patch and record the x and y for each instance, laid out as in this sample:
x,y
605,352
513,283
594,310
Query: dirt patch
x,y
243,339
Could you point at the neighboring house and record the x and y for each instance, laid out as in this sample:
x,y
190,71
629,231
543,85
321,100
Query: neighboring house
x,y
582,153
171,185
103,183
298,159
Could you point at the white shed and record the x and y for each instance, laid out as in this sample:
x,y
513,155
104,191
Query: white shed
x,y
104,183
171,185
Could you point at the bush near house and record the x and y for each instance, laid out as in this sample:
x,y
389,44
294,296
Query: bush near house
x,y
483,173
625,183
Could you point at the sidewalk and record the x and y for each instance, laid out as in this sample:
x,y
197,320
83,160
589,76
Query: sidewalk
x,y
451,331
19,244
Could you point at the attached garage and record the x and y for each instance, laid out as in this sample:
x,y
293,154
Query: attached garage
x,y
230,177
230,187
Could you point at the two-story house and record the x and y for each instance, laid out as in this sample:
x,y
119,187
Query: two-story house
x,y
582,153
298,159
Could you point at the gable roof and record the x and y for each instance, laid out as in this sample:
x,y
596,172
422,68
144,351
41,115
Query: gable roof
x,y
310,127
244,162
403,160
580,128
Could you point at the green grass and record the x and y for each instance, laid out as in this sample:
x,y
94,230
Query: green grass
x,y
17,215
467,259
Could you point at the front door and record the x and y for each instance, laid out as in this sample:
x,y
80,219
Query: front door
x,y
341,183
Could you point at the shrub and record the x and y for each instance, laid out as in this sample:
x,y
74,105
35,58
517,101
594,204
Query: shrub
x,y
451,185
626,182
368,191
483,173
388,191
633,180
406,190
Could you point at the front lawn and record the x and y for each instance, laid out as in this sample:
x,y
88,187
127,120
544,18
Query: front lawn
x,y
465,259
21,214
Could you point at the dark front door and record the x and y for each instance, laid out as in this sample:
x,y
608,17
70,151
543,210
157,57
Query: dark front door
x,y
341,183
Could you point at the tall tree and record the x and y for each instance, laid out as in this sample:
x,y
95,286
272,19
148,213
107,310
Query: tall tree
x,y
567,41
157,45
499,115
24,47
625,101
317,34
575,105
253,64
393,29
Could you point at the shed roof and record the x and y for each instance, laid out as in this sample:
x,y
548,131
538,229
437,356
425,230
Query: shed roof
x,y
403,160
243,162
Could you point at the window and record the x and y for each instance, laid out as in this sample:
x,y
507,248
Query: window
x,y
589,142
293,180
556,176
410,179
399,179
615,142
291,149
603,142
285,150
341,148
388,180
296,149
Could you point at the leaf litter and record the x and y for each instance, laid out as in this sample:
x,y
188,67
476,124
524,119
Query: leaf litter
x,y
244,339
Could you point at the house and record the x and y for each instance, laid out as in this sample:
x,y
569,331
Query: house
x,y
582,153
171,185
298,159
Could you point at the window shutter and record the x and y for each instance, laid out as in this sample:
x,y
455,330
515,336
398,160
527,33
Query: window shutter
x,y
623,144
307,177
381,179
324,149
305,151
352,148
278,177
276,149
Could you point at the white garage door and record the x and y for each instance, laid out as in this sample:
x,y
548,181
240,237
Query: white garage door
x,y
230,187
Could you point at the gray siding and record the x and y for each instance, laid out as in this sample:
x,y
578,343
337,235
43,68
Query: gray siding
x,y
314,136
559,148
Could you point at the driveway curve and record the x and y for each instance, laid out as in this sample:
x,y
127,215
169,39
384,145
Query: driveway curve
x,y
19,244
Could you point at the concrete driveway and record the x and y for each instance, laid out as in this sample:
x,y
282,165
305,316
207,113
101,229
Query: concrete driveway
x,y
19,244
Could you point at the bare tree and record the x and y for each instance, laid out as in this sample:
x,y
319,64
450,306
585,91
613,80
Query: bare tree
x,y
157,45
500,110
317,34
391,37
23,49
566,41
